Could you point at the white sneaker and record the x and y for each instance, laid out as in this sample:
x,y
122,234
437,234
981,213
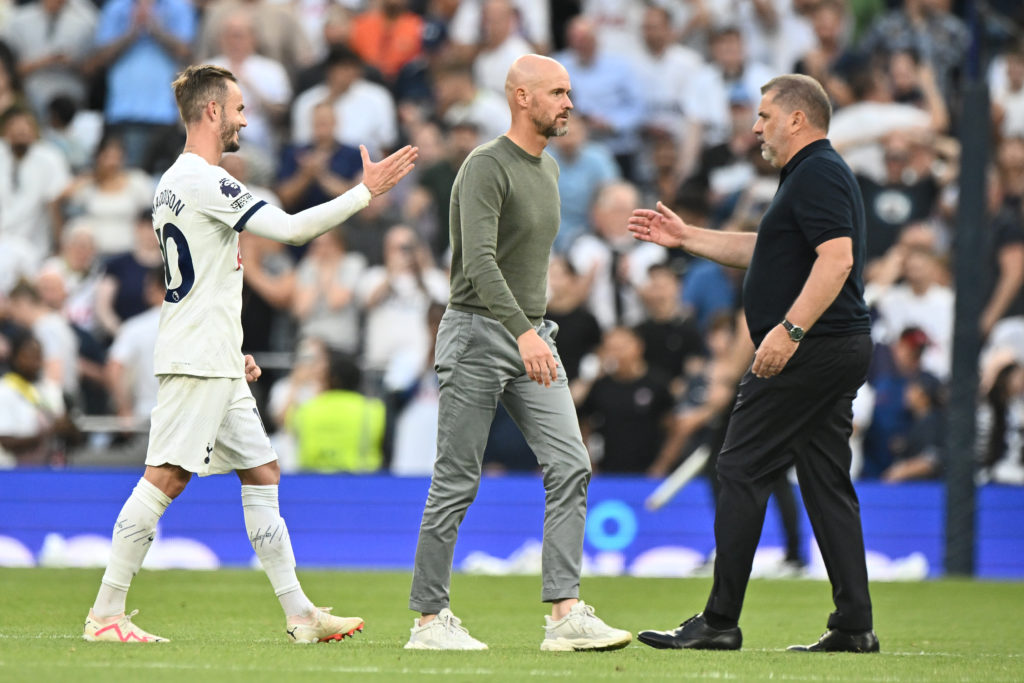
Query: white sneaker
x,y
121,630
444,632
581,629
324,627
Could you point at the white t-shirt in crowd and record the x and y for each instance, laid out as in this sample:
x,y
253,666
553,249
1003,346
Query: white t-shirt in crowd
x,y
133,349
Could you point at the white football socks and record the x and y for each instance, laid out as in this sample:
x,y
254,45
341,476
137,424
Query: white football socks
x,y
133,534
269,537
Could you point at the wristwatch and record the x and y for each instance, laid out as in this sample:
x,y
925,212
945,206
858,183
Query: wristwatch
x,y
796,333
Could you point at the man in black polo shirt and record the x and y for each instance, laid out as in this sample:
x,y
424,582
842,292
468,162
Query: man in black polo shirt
x,y
804,303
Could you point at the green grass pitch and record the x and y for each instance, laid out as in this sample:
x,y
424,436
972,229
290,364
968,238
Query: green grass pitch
x,y
227,626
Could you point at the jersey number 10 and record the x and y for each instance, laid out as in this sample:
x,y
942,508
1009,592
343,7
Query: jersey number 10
x,y
183,275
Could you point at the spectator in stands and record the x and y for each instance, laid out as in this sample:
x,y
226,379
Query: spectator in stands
x,y
11,89
141,44
32,414
395,297
727,169
268,289
893,368
578,332
921,452
75,132
606,93
32,175
415,401
79,272
857,129
469,26
51,38
666,71
325,283
429,203
775,33
54,333
279,33
913,82
264,81
901,198
1002,318
929,28
730,76
831,28
673,346
389,38
1007,85
709,289
922,299
364,111
627,407
584,168
308,378
500,44
333,28
108,198
1001,421
613,263
459,100
311,173
340,430
120,293
129,370
661,172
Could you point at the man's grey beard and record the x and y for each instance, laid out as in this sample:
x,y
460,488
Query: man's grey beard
x,y
551,130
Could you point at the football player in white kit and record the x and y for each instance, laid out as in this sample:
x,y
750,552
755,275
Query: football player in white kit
x,y
205,420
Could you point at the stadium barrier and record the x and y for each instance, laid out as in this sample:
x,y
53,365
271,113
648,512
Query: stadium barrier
x,y
64,518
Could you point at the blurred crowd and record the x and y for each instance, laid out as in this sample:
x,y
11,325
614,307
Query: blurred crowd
x,y
665,94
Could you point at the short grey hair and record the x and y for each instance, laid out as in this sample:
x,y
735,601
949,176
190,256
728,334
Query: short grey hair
x,y
798,92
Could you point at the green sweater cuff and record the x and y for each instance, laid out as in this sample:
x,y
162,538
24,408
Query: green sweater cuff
x,y
517,324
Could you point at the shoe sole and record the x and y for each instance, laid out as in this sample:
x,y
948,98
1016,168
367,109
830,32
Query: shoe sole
x,y
661,645
415,645
582,645
132,640
421,646
341,635
804,648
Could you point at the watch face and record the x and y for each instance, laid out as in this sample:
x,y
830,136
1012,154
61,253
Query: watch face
x,y
796,333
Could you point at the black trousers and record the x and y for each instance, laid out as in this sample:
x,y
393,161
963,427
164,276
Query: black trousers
x,y
803,416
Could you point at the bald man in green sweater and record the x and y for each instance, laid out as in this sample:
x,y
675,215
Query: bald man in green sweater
x,y
494,344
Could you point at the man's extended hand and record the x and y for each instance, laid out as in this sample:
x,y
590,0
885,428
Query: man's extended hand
x,y
662,227
382,176
252,371
537,357
774,353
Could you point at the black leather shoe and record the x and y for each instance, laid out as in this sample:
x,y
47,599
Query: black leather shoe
x,y
835,640
693,634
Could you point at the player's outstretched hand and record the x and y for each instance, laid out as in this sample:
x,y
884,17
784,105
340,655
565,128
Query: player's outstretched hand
x,y
661,226
381,176
252,371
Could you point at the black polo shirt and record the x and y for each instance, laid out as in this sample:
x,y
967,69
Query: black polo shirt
x,y
818,200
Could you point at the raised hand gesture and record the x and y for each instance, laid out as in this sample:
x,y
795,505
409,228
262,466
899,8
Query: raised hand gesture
x,y
381,176
661,226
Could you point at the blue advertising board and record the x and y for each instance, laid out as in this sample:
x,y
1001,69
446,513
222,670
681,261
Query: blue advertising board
x,y
371,522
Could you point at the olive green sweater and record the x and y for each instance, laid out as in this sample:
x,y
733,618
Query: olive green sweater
x,y
504,217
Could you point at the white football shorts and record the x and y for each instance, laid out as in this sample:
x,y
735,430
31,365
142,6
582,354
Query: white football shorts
x,y
207,425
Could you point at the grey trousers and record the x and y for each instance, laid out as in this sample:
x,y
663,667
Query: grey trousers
x,y
478,364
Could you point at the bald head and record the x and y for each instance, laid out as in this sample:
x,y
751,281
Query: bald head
x,y
530,72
